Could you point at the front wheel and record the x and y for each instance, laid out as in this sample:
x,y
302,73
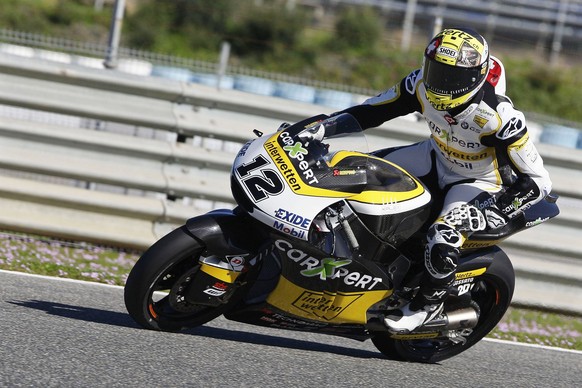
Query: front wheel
x,y
155,290
491,294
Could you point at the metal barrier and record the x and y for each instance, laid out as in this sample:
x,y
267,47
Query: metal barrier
x,y
127,190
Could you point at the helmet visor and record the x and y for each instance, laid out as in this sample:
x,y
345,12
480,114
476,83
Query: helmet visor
x,y
450,80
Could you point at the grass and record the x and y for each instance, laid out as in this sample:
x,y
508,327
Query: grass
x,y
541,328
46,256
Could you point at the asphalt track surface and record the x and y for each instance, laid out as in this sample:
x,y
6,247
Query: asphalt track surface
x,y
59,333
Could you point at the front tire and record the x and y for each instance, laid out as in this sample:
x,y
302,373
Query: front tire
x,y
152,290
492,294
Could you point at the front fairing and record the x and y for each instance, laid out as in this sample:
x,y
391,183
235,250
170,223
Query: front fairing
x,y
286,179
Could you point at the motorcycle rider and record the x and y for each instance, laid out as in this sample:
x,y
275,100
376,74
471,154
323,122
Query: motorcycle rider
x,y
479,155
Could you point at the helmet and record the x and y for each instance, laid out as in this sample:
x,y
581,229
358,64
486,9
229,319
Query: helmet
x,y
455,67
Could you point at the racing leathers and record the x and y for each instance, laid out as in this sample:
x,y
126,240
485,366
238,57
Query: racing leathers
x,y
479,157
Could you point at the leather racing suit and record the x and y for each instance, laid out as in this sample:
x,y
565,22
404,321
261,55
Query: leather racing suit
x,y
479,154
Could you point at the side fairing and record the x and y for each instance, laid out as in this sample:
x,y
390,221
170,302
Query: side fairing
x,y
326,289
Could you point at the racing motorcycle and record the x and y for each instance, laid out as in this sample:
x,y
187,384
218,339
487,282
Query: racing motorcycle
x,y
326,238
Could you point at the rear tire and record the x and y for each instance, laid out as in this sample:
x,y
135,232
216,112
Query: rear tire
x,y
150,290
492,293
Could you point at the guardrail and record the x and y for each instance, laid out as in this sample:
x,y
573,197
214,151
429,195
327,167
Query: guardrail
x,y
127,190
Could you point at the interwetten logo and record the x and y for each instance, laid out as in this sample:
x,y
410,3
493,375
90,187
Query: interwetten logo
x,y
286,170
326,306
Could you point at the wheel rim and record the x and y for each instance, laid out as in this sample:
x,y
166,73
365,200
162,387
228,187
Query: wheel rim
x,y
487,296
165,301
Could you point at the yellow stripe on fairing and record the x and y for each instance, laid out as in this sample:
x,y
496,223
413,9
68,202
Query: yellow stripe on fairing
x,y
223,274
368,196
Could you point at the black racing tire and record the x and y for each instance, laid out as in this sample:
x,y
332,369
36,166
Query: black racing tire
x,y
147,296
492,293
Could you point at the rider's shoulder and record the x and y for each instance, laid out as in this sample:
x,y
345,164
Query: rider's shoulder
x,y
510,121
513,123
500,103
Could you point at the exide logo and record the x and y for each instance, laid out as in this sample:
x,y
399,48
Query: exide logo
x,y
292,218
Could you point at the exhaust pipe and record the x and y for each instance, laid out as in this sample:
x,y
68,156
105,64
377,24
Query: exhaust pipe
x,y
462,319
466,318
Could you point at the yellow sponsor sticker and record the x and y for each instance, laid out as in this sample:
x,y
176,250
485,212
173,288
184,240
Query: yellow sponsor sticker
x,y
478,244
480,121
323,306
470,274
414,336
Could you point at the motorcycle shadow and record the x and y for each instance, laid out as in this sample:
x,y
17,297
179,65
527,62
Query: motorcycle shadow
x,y
281,342
79,312
118,319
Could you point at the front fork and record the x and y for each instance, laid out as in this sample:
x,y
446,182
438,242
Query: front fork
x,y
231,240
216,279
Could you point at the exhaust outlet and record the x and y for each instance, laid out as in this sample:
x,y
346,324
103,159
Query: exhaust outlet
x,y
461,319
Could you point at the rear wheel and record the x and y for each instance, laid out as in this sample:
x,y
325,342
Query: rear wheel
x,y
491,295
155,291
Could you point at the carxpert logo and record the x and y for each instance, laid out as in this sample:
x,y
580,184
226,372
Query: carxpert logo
x,y
327,268
446,137
520,203
296,151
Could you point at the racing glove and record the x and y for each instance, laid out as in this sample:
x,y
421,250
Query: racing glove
x,y
465,218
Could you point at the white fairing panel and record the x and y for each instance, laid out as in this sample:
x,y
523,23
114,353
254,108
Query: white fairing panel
x,y
267,179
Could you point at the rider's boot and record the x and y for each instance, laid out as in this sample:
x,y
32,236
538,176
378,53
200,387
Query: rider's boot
x,y
423,308
440,259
